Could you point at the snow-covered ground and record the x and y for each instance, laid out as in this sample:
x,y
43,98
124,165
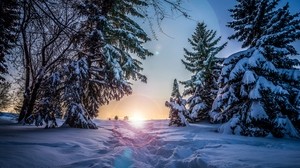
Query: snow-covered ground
x,y
142,145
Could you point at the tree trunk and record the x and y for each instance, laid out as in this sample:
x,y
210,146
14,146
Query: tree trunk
x,y
24,107
33,97
29,101
27,63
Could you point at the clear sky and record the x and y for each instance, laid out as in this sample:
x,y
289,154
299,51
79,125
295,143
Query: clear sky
x,y
147,100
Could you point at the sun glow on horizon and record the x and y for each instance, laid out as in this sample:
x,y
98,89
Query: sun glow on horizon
x,y
135,107
137,120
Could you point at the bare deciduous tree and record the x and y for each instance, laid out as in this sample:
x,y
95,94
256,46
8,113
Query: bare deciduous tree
x,y
46,41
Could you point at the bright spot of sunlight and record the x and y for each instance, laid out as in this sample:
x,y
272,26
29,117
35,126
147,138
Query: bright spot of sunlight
x,y
137,120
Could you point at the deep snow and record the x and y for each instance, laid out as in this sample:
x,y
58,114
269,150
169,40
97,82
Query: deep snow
x,y
142,145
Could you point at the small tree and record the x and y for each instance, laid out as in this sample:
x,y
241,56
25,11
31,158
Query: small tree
x,y
126,118
116,118
177,107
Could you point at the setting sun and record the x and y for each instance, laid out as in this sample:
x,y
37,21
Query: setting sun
x,y
137,120
136,107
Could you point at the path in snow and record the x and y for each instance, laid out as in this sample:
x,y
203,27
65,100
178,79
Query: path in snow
x,y
145,146
135,146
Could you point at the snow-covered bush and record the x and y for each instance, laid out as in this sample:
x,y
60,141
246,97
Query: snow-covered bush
x,y
76,74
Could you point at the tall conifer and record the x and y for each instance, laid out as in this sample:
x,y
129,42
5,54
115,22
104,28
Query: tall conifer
x,y
205,68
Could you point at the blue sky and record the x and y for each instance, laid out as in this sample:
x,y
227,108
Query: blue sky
x,y
148,99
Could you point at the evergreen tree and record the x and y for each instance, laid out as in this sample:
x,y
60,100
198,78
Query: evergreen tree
x,y
250,17
260,87
8,22
177,107
205,67
107,38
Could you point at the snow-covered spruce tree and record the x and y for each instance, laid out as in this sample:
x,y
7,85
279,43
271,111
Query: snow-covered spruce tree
x,y
107,39
177,107
260,86
205,68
